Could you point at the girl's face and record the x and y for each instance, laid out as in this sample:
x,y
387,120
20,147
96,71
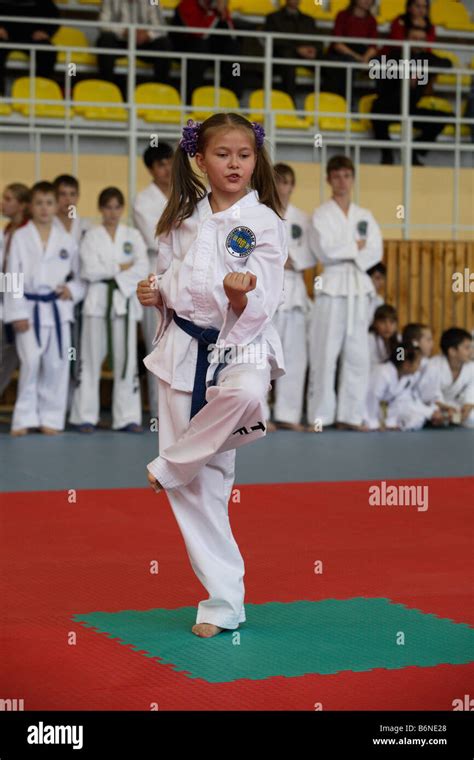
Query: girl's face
x,y
418,9
364,5
379,281
43,207
10,206
229,161
385,327
111,212
426,342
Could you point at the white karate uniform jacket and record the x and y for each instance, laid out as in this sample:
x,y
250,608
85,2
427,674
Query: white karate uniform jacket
x,y
404,409
43,271
101,258
301,256
436,383
334,237
147,209
80,225
193,260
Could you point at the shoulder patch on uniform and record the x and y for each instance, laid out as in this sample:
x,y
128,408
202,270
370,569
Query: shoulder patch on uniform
x,y
63,254
296,231
240,242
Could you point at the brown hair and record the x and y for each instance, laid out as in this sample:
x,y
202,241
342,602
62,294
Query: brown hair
x,y
339,162
186,187
21,192
284,170
108,194
47,188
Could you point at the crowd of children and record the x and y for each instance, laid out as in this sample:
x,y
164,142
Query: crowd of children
x,y
347,362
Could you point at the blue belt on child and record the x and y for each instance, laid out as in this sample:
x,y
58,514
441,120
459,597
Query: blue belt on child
x,y
46,298
205,336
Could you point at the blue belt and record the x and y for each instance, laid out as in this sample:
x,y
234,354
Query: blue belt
x,y
205,336
46,298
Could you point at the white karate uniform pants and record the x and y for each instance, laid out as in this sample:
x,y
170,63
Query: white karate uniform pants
x,y
328,339
197,468
44,379
149,325
126,401
289,391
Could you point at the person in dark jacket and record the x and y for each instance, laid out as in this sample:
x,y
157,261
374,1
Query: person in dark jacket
x,y
29,31
290,20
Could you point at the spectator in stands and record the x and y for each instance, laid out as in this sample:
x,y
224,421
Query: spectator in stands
x,y
356,21
29,31
389,100
290,20
155,39
207,14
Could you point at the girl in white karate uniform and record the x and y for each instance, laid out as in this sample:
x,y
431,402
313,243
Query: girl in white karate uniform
x,y
219,283
393,382
113,260
292,317
48,260
383,336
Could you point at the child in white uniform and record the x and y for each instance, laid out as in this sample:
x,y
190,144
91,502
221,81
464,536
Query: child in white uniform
x,y
147,209
113,260
393,382
383,335
449,378
67,195
348,241
219,283
378,275
16,201
48,259
291,317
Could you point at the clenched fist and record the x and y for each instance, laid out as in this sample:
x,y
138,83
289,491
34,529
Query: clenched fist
x,y
148,292
236,285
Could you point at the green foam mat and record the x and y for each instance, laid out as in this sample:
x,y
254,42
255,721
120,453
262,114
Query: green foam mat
x,y
292,639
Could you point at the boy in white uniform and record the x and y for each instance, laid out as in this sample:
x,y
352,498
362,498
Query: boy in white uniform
x,y
113,260
347,241
48,260
291,317
448,380
67,195
147,210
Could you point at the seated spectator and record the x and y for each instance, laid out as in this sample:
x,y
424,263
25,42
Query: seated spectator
x,y
207,14
290,20
356,21
389,101
139,12
30,31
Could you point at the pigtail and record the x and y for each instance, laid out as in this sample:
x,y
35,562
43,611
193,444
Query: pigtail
x,y
185,192
263,181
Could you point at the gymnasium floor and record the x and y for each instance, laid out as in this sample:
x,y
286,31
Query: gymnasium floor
x,y
349,606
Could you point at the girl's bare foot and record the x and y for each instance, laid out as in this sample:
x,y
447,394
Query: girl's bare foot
x,y
49,431
270,426
206,630
155,484
19,431
291,426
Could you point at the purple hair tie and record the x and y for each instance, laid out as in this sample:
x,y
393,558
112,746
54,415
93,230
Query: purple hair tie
x,y
189,140
259,134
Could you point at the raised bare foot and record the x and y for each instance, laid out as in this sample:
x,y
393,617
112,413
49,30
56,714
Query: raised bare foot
x,y
206,630
155,484
19,431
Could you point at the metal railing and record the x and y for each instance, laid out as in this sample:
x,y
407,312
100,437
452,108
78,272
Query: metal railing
x,y
133,131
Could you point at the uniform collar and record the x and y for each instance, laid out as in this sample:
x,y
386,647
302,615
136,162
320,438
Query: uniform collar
x,y
205,210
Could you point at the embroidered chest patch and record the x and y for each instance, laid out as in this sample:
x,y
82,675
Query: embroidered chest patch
x,y
240,242
63,254
127,247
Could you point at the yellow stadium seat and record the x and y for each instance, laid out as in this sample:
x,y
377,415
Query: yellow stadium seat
x,y
458,18
335,6
5,109
139,63
314,9
90,2
203,100
102,93
390,9
439,11
441,104
255,7
327,103
365,106
67,35
169,4
451,78
151,94
17,55
43,89
279,101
